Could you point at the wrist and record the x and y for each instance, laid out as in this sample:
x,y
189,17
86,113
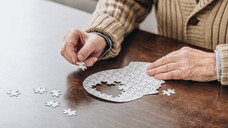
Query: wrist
x,y
214,64
100,40
107,41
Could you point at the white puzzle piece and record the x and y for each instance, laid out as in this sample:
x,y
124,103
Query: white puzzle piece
x,y
13,93
134,79
69,112
81,65
52,104
40,90
56,93
168,92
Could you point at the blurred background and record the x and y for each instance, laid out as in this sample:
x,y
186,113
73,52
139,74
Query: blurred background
x,y
149,24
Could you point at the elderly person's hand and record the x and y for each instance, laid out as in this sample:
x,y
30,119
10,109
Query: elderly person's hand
x,y
83,47
187,64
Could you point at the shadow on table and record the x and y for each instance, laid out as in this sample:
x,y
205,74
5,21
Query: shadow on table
x,y
76,94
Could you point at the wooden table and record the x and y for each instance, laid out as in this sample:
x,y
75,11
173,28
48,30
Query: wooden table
x,y
31,34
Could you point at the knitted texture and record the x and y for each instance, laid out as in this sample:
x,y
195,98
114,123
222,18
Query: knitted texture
x,y
204,24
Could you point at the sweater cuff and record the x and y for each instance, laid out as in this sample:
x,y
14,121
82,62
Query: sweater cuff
x,y
223,51
109,26
218,65
108,43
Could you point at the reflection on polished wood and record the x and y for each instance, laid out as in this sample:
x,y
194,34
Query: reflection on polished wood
x,y
195,104
31,39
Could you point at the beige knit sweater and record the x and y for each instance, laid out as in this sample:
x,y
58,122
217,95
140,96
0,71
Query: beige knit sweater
x,y
204,24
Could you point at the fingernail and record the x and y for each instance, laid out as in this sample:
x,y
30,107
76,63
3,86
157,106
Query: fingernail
x,y
80,57
73,60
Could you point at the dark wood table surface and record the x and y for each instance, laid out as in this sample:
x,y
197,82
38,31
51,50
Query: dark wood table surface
x,y
31,35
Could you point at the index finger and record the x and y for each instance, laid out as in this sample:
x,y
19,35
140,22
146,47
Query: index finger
x,y
162,61
70,42
71,52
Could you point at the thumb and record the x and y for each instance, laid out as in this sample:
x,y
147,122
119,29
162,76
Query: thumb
x,y
85,51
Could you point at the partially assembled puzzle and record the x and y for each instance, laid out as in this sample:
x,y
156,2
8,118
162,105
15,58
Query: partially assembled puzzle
x,y
135,82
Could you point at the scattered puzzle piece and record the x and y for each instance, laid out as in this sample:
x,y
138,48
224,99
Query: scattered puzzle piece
x,y
81,65
69,112
13,93
40,90
56,93
168,92
52,104
172,91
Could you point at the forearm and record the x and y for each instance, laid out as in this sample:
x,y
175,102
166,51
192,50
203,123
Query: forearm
x,y
117,18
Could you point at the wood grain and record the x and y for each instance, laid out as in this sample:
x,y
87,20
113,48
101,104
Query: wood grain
x,y
31,39
195,104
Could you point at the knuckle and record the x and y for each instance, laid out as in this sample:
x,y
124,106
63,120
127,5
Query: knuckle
x,y
167,67
185,48
82,54
171,75
163,59
185,54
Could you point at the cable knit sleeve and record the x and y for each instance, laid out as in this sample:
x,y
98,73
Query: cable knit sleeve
x,y
223,51
117,18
